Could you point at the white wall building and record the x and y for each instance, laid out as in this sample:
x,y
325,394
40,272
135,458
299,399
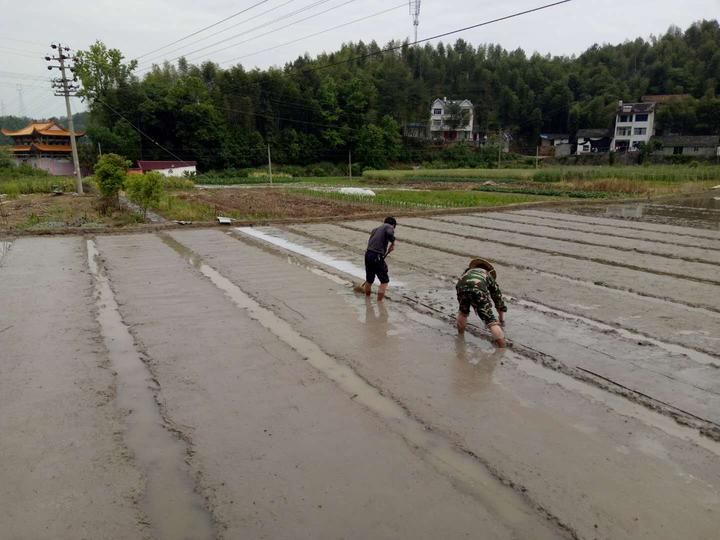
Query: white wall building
x,y
169,168
439,129
634,124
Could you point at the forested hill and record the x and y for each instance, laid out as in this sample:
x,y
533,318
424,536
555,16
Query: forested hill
x,y
319,108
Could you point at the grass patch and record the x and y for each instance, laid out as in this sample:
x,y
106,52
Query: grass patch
x,y
429,199
654,173
35,184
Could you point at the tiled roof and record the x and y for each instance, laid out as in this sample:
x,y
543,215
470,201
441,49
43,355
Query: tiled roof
x,y
629,108
705,141
154,165
42,128
593,133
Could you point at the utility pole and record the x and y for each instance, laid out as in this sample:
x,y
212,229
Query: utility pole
x,y
350,165
65,87
270,165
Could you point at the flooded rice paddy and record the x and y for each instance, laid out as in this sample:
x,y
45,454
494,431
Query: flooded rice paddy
x,y
214,383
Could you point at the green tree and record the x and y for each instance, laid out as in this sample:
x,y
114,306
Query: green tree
x,y
456,117
110,173
145,190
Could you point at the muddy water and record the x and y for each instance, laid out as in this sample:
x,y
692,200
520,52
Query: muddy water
x,y
680,380
64,471
556,222
676,267
627,225
699,294
507,505
696,329
697,211
280,450
173,508
604,473
488,227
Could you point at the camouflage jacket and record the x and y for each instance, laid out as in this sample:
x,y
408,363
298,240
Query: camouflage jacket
x,y
477,280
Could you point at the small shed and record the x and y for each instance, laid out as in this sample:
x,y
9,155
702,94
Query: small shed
x,y
552,144
594,140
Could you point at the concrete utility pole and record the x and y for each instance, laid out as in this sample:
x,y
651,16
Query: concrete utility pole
x,y
270,165
65,87
350,165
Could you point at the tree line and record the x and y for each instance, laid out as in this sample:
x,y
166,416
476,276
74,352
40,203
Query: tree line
x,y
358,98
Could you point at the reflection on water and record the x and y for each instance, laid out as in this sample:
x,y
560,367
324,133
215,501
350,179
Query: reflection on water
x,y
474,367
698,211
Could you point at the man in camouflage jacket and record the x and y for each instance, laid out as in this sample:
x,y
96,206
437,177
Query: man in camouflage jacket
x,y
476,288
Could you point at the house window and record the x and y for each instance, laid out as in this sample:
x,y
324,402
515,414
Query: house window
x,y
677,150
623,131
625,118
437,111
436,123
640,131
641,117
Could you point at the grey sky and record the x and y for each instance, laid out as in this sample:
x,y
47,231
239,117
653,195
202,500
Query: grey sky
x,y
139,26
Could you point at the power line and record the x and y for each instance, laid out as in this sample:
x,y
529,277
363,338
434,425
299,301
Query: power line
x,y
317,33
222,31
283,27
140,131
205,28
444,34
225,40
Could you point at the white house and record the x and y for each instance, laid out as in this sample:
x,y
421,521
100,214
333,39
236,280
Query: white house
x,y
634,124
592,141
169,168
440,117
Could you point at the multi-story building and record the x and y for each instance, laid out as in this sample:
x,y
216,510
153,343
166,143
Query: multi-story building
x,y
634,125
452,120
44,145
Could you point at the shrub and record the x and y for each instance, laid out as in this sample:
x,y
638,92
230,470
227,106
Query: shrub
x,y
110,173
145,190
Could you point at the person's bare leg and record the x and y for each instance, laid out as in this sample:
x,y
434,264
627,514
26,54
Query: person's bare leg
x,y
497,333
461,322
367,287
381,291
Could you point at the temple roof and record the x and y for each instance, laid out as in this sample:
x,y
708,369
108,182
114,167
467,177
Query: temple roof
x,y
51,128
42,148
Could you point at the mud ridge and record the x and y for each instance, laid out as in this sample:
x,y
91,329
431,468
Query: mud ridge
x,y
703,426
555,217
556,274
171,500
569,241
505,219
573,256
437,436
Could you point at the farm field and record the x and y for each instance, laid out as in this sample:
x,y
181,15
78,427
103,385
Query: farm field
x,y
268,385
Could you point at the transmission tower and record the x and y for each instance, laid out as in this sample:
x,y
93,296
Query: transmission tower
x,y
65,86
415,13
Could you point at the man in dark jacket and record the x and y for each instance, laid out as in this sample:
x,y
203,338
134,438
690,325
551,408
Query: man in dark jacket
x,y
380,245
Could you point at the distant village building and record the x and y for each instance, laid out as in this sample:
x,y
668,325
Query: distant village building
x,y
43,145
415,130
634,125
166,168
664,98
555,144
441,120
591,141
689,145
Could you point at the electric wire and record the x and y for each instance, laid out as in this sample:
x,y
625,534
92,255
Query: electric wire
x,y
204,28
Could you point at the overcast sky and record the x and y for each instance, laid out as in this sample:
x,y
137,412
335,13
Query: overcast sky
x,y
138,27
